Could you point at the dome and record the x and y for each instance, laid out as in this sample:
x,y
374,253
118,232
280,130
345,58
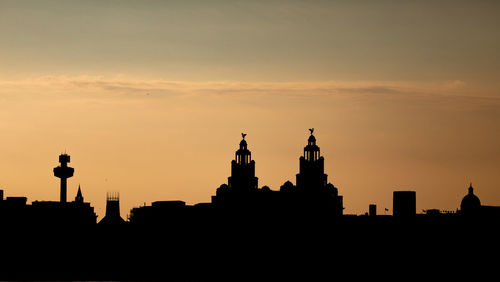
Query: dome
x,y
287,186
470,203
243,143
266,189
311,139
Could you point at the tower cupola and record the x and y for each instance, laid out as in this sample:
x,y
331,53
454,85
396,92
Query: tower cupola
x,y
311,151
243,169
243,155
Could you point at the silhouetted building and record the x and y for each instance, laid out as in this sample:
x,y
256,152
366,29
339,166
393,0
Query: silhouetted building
x,y
57,240
313,188
242,190
437,212
243,170
372,211
312,192
76,214
164,214
79,196
311,174
15,211
70,214
50,214
470,205
404,203
112,216
17,201
63,172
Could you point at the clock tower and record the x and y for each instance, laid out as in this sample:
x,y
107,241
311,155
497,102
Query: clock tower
x,y
242,177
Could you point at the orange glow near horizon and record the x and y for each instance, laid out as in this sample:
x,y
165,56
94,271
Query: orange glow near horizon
x,y
176,143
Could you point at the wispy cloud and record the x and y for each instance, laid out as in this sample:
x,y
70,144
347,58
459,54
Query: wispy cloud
x,y
122,85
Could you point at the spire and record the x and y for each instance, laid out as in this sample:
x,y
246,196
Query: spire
x,y
79,196
471,190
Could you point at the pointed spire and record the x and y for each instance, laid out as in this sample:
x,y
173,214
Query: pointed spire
x,y
79,196
79,193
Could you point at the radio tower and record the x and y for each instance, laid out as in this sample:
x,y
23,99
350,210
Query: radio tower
x,y
64,172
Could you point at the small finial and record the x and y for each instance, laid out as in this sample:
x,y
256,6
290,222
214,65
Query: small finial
x,y
312,130
471,190
243,135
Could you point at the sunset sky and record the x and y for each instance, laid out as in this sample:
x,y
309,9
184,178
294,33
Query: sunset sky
x,y
150,97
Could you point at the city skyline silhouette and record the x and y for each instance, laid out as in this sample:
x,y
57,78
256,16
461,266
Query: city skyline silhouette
x,y
64,172
400,96
164,240
272,140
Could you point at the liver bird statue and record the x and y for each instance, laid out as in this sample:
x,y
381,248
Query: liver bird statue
x,y
312,130
243,135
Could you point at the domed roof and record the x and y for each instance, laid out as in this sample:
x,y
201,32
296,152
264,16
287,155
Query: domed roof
x,y
311,138
470,203
287,186
243,142
266,189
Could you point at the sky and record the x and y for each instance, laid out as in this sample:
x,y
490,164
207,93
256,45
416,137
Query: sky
x,y
150,97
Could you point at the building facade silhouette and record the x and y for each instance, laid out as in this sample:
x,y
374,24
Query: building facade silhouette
x,y
312,192
312,182
112,216
15,211
242,177
470,205
242,192
404,203
243,222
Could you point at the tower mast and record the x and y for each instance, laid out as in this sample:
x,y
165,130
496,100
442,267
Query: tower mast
x,y
63,172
